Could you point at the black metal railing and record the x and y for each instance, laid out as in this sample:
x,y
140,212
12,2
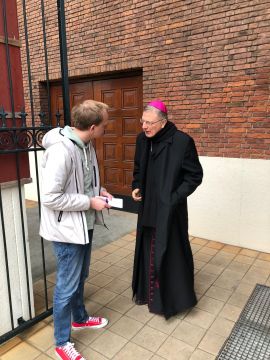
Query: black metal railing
x,y
21,133
21,137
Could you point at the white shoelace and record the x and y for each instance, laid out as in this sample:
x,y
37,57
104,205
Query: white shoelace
x,y
71,351
94,319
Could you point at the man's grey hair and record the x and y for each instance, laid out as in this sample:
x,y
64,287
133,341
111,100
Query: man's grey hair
x,y
160,114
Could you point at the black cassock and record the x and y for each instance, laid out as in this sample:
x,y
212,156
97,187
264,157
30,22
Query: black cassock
x,y
166,170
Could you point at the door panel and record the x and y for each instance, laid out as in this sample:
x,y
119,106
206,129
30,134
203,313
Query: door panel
x,y
116,149
78,92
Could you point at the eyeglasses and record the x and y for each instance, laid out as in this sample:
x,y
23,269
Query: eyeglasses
x,y
149,123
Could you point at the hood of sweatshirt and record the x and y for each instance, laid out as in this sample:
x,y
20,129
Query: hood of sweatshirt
x,y
60,135
70,134
52,137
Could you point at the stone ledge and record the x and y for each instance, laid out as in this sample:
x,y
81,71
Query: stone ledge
x,y
14,183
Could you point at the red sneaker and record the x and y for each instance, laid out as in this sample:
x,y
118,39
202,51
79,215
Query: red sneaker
x,y
68,352
92,323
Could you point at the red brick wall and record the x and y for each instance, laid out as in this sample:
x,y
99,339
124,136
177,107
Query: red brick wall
x,y
208,60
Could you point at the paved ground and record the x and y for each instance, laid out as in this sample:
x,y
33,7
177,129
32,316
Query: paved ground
x,y
119,223
225,277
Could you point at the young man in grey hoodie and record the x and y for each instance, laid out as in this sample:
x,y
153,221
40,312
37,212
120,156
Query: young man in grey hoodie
x,y
70,206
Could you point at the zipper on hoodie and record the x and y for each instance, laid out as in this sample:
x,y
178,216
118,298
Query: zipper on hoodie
x,y
80,211
95,175
103,220
95,178
60,216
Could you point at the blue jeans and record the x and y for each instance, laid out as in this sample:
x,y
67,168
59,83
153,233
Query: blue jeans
x,y
73,263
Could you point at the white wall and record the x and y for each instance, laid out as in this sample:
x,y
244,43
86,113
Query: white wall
x,y
16,261
31,192
233,203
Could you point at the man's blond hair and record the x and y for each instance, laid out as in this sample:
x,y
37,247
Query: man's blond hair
x,y
88,113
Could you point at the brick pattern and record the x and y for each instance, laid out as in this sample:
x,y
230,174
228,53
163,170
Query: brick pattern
x,y
209,61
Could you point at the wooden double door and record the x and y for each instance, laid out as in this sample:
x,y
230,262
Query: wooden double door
x,y
115,150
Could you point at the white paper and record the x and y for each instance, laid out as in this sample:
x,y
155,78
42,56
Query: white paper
x,y
116,202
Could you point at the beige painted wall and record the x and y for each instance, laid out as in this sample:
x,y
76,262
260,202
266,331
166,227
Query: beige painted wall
x,y
16,261
233,203
231,206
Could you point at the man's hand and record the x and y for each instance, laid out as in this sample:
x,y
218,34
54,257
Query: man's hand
x,y
98,204
136,195
106,194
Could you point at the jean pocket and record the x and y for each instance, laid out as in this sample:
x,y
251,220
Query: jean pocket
x,y
61,250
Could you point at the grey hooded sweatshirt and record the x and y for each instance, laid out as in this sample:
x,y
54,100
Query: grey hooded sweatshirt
x,y
67,186
88,171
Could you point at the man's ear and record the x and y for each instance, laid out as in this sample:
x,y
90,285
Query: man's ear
x,y
92,127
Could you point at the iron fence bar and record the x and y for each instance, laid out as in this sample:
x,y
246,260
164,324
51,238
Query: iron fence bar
x,y
6,260
41,239
23,116
28,63
25,326
58,117
64,59
23,235
3,117
26,128
46,60
8,62
44,273
14,151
